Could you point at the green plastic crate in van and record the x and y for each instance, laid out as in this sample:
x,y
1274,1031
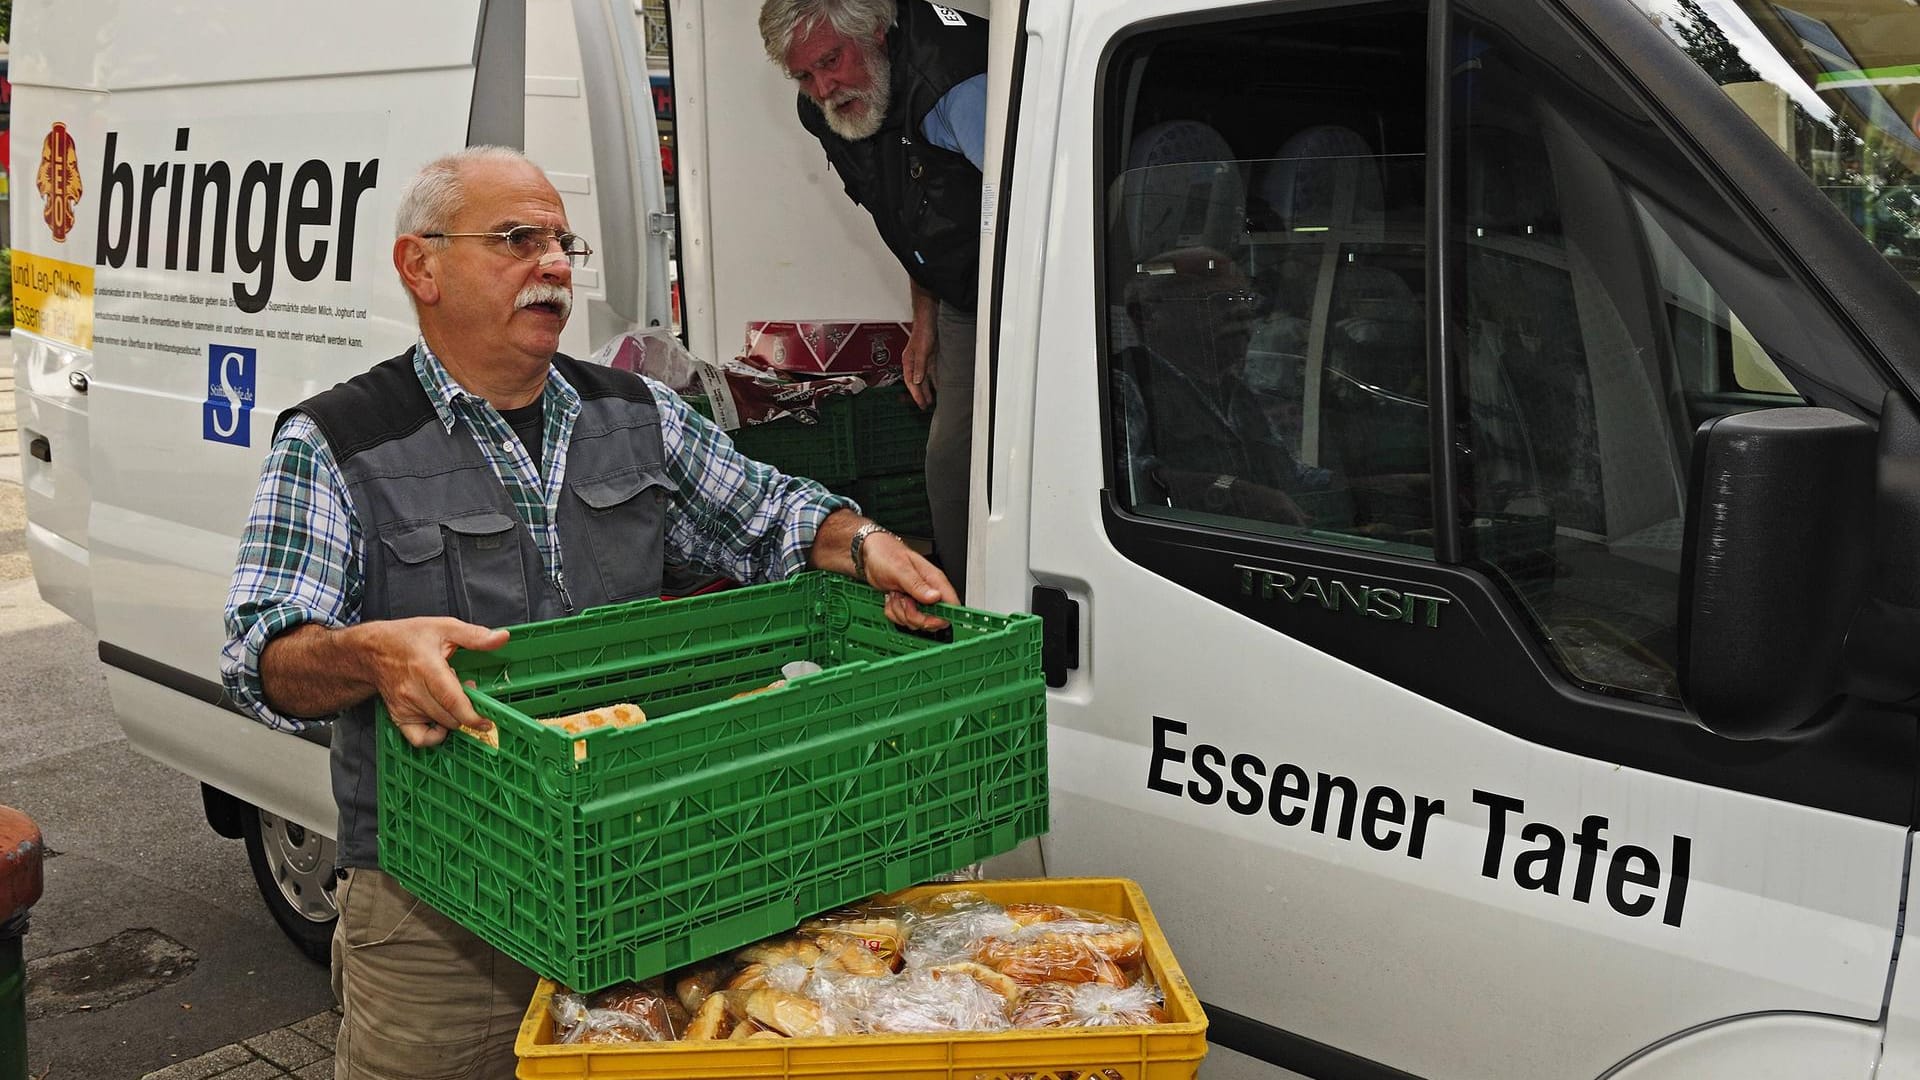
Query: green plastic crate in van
x,y
624,852
889,432
822,450
899,502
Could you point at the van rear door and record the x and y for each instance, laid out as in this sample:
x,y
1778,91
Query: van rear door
x,y
1353,353
223,210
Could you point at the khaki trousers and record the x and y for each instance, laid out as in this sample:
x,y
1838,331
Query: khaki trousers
x,y
421,997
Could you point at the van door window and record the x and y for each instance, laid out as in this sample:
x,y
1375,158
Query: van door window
x,y
1608,304
1265,280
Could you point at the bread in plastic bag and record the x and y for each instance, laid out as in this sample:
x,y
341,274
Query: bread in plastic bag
x,y
947,927
1051,1005
921,1001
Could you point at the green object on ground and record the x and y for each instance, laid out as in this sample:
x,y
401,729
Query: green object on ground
x,y
13,1005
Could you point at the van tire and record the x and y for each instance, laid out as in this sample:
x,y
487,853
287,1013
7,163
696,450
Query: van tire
x,y
293,868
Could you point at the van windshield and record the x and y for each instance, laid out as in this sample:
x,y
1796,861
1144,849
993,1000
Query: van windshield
x,y
1836,83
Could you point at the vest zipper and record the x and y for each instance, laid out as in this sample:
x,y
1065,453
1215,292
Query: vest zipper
x,y
566,598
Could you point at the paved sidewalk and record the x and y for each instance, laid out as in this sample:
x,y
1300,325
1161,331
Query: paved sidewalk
x,y
302,1050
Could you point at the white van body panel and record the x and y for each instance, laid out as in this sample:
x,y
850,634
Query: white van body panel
x,y
1775,1047
135,521
163,550
127,44
49,407
1393,958
279,773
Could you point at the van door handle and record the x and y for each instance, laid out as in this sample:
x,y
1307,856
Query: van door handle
x,y
1059,633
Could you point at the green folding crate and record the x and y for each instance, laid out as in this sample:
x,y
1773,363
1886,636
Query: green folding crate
x,y
822,450
899,502
889,432
624,852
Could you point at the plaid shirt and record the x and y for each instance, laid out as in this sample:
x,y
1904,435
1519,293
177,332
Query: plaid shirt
x,y
300,556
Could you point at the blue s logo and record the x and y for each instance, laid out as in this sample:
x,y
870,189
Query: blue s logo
x,y
231,371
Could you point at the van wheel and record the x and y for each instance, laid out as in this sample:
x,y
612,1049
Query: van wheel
x,y
294,869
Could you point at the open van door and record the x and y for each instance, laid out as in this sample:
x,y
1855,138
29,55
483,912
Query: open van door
x,y
590,125
1348,360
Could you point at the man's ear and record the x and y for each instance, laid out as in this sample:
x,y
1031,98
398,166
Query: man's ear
x,y
413,259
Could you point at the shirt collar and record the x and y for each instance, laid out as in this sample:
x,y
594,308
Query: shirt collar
x,y
446,394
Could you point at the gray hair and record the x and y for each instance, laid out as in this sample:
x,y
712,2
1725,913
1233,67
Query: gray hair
x,y
781,21
431,199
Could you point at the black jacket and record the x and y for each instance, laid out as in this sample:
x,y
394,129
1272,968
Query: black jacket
x,y
925,200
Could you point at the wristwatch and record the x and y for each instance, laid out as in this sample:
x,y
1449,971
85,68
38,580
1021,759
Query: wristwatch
x,y
858,548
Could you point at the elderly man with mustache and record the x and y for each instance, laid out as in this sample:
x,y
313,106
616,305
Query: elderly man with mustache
x,y
477,480
896,92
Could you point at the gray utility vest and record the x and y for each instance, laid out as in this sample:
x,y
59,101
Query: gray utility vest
x,y
443,536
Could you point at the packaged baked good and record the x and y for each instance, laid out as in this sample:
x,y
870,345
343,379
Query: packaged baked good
x,y
692,984
1069,958
920,1001
946,927
648,1004
793,1015
1127,1006
878,930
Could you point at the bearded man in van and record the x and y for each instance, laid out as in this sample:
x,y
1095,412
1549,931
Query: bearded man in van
x,y
896,93
481,479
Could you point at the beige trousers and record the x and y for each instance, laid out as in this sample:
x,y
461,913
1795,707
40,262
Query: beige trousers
x,y
422,998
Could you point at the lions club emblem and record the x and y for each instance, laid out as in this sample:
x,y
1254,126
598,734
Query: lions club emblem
x,y
58,181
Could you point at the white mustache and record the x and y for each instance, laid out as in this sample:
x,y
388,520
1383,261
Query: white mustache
x,y
544,292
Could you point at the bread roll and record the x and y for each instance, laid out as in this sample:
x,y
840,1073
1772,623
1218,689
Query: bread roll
x,y
711,1021
1009,989
624,714
788,1014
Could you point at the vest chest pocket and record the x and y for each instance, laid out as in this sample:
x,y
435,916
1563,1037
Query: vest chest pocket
x,y
414,573
625,516
470,567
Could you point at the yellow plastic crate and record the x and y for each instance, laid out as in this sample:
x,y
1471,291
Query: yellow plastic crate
x,y
1169,1051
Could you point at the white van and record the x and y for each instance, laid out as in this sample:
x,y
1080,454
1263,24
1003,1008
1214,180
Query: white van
x,y
1465,451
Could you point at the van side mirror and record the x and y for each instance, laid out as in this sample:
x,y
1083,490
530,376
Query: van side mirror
x,y
1778,557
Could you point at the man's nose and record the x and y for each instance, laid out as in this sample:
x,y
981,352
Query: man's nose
x,y
554,266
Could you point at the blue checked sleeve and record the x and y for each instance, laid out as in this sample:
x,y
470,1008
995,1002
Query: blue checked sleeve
x,y
733,515
299,562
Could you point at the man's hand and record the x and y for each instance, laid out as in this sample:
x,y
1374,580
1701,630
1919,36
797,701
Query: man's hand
x,y
923,341
408,665
908,579
313,670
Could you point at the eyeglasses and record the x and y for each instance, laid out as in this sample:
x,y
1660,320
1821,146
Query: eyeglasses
x,y
528,242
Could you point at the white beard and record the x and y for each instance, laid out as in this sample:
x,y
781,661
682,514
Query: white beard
x,y
878,98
